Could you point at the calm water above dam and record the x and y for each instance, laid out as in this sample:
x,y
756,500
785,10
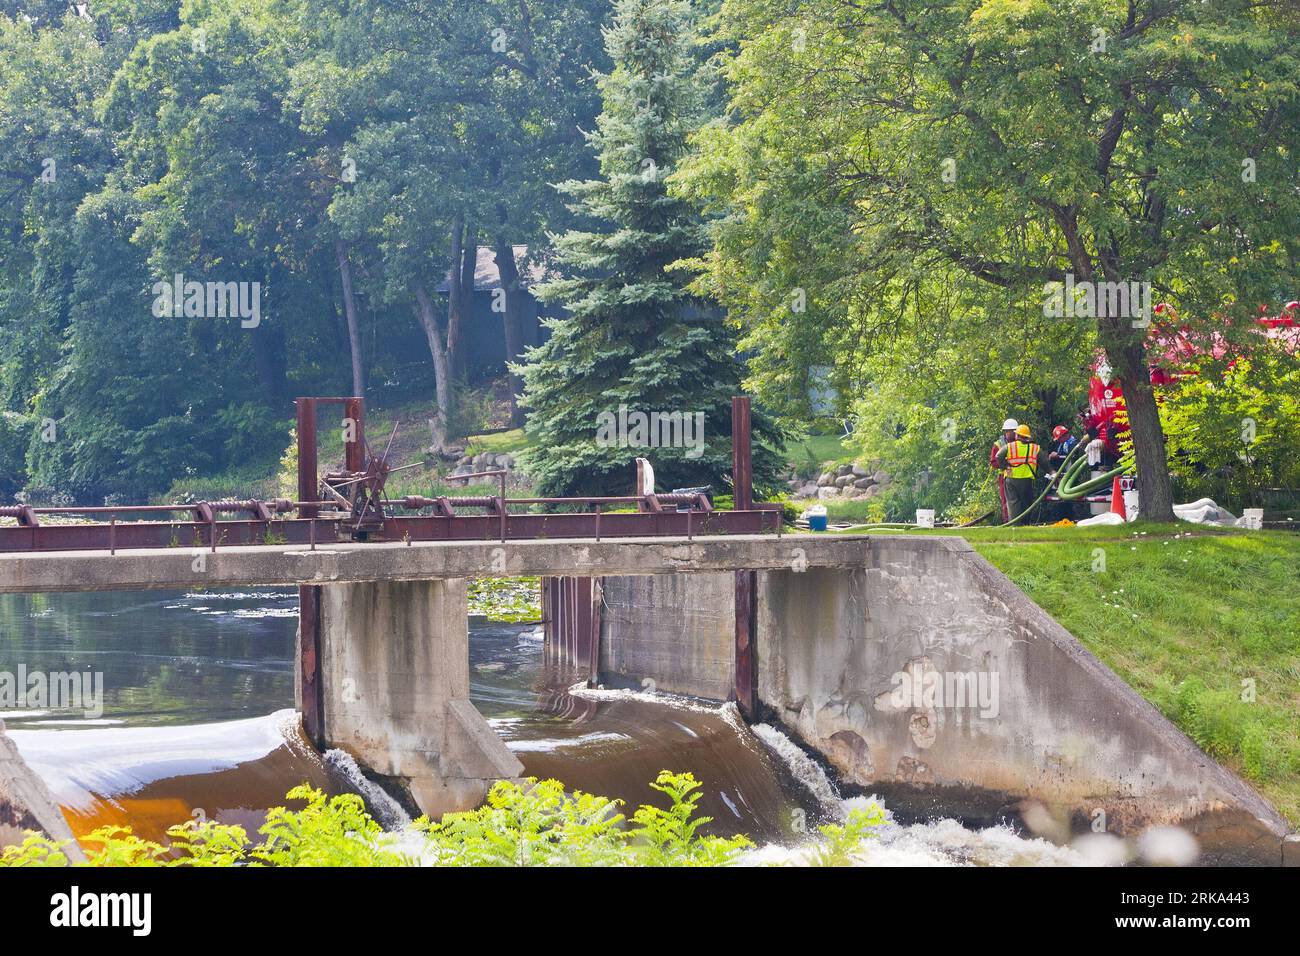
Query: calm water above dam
x,y
197,719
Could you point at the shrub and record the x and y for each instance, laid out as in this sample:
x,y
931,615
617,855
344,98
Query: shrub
x,y
538,824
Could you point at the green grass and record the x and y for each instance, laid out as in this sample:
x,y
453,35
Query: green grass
x,y
1192,618
499,443
234,484
810,454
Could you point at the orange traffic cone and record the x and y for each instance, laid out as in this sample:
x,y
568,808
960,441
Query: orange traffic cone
x,y
1117,499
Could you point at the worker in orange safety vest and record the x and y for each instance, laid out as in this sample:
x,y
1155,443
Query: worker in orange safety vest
x,y
1021,458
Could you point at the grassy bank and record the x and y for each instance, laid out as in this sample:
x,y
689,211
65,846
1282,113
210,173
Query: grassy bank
x,y
1203,623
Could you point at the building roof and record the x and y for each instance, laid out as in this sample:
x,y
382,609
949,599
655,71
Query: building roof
x,y
487,276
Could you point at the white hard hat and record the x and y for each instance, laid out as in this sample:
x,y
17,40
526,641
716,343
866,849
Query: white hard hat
x,y
1010,425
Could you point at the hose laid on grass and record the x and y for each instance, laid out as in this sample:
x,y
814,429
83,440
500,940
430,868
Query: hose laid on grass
x,y
1048,487
1065,476
1063,481
975,521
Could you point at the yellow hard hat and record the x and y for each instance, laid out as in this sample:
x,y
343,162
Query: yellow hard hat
x,y
1023,431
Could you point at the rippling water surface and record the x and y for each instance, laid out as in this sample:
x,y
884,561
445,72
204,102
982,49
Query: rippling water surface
x,y
198,721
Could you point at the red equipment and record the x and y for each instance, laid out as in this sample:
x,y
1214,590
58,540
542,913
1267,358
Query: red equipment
x,y
1172,349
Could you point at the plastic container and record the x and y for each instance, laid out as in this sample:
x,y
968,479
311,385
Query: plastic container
x,y
817,518
925,517
1253,519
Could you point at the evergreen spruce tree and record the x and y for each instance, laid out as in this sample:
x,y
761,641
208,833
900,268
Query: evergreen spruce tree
x,y
633,336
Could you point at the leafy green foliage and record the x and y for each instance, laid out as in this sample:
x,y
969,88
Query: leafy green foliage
x,y
669,837
915,175
540,825
843,842
331,831
535,824
1234,429
514,600
208,843
633,335
15,433
254,141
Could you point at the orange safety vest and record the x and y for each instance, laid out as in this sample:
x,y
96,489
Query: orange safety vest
x,y
1022,459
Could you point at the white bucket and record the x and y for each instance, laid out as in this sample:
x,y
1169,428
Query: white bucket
x,y
925,517
1253,519
1097,507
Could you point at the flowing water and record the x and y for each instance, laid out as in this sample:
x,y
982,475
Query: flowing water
x,y
197,721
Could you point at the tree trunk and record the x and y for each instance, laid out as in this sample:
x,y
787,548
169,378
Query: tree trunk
x,y
428,320
354,328
1126,352
463,279
1156,494
510,321
338,325
268,362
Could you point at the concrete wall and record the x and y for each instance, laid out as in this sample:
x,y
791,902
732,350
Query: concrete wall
x,y
338,563
677,630
394,673
26,803
853,661
880,668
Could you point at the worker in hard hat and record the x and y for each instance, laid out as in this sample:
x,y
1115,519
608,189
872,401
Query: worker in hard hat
x,y
1063,443
1006,438
1021,458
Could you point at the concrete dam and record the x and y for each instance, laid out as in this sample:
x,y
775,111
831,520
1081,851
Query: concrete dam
x,y
924,675
907,664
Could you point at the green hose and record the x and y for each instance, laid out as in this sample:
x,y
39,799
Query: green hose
x,y
1048,487
1066,490
1069,491
1065,476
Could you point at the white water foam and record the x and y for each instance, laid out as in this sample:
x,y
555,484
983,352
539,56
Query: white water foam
x,y
387,811
554,745
76,764
803,768
581,690
942,842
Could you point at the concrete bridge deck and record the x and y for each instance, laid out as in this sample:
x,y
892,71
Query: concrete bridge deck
x,y
353,563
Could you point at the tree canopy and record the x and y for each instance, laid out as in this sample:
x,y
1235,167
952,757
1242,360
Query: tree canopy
x,y
917,168
634,340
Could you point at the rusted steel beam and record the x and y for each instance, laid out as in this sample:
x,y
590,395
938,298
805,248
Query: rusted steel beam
x,y
26,515
308,479
580,605
595,597
309,649
158,534
456,527
354,451
742,466
548,620
746,685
